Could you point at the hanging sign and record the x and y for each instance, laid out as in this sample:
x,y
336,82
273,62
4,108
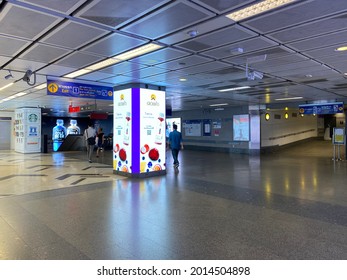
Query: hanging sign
x,y
321,109
78,90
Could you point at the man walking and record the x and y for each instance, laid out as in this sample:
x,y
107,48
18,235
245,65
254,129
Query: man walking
x,y
175,143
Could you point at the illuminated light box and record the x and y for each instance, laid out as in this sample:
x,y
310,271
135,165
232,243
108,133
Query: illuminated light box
x,y
139,132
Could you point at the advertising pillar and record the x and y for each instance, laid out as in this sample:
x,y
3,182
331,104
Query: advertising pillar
x,y
28,130
139,132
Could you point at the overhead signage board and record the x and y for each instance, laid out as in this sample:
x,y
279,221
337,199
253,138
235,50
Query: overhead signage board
x,y
78,90
321,109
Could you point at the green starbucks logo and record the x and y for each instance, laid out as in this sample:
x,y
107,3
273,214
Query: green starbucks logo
x,y
33,118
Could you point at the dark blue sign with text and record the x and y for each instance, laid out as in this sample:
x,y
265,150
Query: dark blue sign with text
x,y
78,90
321,109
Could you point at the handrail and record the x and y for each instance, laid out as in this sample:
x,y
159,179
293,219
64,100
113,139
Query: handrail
x,y
292,134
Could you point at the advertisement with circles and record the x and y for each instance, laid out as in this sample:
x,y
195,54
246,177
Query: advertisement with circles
x,y
122,144
152,130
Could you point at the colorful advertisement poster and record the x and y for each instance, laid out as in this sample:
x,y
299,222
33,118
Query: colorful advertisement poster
x,y
122,135
241,127
78,90
28,130
152,130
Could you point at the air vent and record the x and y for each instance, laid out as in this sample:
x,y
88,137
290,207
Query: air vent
x,y
279,85
225,71
314,81
110,21
195,46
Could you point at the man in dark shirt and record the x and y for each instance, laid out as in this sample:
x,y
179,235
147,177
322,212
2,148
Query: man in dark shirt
x,y
175,143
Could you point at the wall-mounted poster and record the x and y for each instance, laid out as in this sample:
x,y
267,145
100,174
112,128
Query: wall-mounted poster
x,y
206,127
192,128
241,127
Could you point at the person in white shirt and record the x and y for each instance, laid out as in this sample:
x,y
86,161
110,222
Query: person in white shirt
x,y
89,135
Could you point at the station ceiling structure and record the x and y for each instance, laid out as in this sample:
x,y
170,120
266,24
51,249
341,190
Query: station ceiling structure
x,y
204,52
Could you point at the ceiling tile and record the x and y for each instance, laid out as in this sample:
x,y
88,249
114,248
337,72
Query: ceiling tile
x,y
312,29
66,35
17,21
63,6
78,60
115,13
217,38
44,53
114,44
176,16
10,46
159,56
223,5
304,11
247,46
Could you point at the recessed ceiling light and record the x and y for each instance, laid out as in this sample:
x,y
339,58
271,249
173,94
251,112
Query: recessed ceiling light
x,y
183,79
235,88
341,49
258,8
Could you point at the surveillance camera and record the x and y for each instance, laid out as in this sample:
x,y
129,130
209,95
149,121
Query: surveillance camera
x,y
9,75
258,75
27,76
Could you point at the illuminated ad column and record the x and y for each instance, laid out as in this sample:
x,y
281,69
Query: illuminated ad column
x,y
28,130
139,132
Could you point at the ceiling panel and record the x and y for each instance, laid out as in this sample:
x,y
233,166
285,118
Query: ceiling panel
x,y
63,6
223,5
303,11
44,53
66,35
160,56
247,46
311,29
78,60
17,21
335,38
187,61
122,68
175,16
221,37
113,44
115,13
10,46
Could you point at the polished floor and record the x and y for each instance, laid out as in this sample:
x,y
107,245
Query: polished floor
x,y
290,204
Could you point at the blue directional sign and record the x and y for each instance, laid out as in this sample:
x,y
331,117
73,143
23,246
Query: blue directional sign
x,y
78,90
321,109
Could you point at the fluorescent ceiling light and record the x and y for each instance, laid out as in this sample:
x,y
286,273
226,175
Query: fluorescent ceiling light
x,y
20,94
77,73
183,79
232,89
9,98
114,60
8,85
341,49
258,8
103,64
138,51
288,98
42,86
222,104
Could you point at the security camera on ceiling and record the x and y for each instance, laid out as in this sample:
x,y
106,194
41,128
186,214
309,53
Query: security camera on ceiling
x,y
27,76
9,75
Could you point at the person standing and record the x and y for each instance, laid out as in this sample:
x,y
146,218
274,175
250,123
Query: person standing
x,y
175,143
89,136
101,140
